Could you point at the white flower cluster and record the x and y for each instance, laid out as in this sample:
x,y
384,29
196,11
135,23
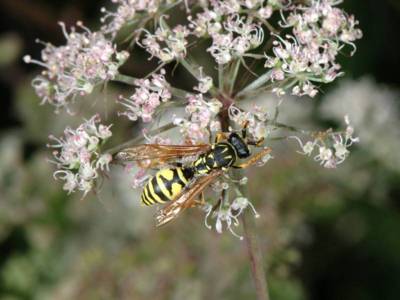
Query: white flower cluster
x,y
379,120
166,44
232,35
126,12
149,94
319,32
201,121
332,146
256,119
239,37
86,60
77,155
228,214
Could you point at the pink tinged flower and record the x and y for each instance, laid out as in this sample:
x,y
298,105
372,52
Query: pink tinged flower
x,y
125,12
148,96
333,21
330,163
319,32
74,69
277,74
78,158
201,116
166,44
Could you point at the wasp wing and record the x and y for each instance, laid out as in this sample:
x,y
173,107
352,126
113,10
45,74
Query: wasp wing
x,y
186,199
157,154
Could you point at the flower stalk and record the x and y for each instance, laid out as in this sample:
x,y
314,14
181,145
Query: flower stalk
x,y
252,245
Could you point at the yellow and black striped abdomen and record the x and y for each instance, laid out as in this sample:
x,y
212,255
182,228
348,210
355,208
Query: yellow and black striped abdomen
x,y
166,185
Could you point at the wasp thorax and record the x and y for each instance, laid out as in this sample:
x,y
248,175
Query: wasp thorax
x,y
240,145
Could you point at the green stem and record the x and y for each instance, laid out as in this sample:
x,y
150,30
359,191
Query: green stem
x,y
256,261
288,127
232,82
193,68
256,83
221,78
129,80
253,249
271,28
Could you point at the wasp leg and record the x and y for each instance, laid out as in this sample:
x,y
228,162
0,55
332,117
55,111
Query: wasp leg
x,y
244,129
200,202
221,136
254,159
256,143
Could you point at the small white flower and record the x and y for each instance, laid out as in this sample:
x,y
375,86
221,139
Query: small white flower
x,y
340,150
224,215
306,148
325,153
240,204
103,163
205,84
265,12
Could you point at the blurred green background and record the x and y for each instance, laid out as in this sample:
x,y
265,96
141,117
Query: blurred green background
x,y
325,234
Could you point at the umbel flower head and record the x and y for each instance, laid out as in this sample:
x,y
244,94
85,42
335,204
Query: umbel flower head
x,y
256,47
74,69
308,54
332,146
77,155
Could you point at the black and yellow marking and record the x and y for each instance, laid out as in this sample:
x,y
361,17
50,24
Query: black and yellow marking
x,y
169,183
166,185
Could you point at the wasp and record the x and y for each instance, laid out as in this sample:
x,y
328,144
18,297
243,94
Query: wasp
x,y
180,185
